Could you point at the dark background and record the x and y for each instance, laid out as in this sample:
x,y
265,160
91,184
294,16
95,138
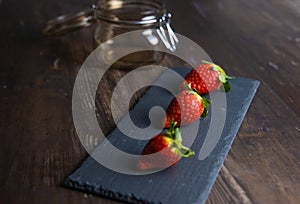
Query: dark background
x,y
254,39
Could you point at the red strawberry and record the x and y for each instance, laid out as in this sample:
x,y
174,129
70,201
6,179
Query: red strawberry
x,y
186,108
206,78
169,149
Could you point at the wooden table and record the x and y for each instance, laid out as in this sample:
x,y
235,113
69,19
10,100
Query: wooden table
x,y
255,39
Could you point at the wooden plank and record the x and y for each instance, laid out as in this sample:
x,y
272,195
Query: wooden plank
x,y
243,36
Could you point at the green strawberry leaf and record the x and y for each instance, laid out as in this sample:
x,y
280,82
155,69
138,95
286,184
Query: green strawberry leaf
x,y
186,152
206,104
206,62
205,113
229,77
178,135
174,132
216,68
222,78
226,87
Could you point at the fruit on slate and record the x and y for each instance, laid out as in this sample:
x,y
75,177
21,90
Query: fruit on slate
x,y
168,150
206,78
186,108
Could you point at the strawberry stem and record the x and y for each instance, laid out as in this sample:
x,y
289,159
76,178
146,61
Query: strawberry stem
x,y
178,135
173,132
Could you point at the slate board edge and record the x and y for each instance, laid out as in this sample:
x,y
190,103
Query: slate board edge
x,y
110,194
203,197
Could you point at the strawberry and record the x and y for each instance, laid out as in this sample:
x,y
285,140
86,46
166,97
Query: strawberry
x,y
206,78
186,108
168,148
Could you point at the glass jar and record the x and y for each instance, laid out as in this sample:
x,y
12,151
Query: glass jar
x,y
115,17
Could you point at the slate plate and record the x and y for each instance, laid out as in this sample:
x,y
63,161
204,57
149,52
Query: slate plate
x,y
191,179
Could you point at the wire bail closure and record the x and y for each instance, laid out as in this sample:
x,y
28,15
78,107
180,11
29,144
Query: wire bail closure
x,y
69,23
171,40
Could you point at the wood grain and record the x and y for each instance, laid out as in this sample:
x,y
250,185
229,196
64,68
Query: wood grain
x,y
255,39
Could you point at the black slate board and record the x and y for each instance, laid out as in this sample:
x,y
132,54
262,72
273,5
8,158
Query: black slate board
x,y
191,179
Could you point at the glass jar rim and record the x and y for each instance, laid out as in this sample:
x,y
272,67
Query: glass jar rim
x,y
149,11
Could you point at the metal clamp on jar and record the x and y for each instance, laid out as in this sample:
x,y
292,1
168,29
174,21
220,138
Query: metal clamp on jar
x,y
115,17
